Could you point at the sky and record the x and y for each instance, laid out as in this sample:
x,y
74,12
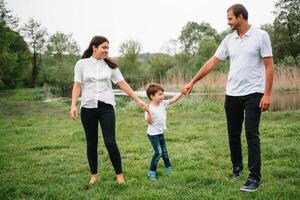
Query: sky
x,y
152,23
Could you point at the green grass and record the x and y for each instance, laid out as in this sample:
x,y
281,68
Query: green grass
x,y
42,153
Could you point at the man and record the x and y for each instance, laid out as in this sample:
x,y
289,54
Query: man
x,y
248,89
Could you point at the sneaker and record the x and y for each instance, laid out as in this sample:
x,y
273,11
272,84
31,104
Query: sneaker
x,y
152,175
250,186
168,170
237,173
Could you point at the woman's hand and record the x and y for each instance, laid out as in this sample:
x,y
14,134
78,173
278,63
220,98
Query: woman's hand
x,y
73,112
143,105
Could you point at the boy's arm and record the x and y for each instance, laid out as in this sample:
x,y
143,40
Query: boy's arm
x,y
149,117
175,98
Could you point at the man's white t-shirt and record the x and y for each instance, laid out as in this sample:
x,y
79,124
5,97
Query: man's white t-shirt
x,y
247,70
159,118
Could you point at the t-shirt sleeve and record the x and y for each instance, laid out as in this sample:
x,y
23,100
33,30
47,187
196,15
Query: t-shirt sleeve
x,y
116,76
166,103
78,77
265,48
222,51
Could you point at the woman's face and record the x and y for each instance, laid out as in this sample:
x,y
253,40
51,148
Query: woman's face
x,y
101,51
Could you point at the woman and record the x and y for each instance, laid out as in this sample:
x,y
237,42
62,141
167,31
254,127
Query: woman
x,y
93,77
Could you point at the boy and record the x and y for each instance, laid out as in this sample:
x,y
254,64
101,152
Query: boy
x,y
156,117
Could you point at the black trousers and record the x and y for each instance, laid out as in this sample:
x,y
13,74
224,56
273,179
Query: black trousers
x,y
90,118
238,109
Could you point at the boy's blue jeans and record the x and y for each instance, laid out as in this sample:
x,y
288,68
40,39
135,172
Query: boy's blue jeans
x,y
160,150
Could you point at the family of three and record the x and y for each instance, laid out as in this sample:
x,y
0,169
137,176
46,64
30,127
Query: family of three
x,y
248,93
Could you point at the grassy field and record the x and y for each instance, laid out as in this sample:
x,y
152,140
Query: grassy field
x,y
43,155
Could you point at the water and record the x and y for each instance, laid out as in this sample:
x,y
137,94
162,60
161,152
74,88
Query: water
x,y
279,101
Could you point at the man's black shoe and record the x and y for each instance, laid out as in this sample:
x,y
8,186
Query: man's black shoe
x,y
237,172
250,186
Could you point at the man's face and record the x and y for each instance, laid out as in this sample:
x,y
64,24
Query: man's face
x,y
233,22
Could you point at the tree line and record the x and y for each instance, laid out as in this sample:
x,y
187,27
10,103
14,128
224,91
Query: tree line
x,y
30,57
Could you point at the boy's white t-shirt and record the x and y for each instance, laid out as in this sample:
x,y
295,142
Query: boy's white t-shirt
x,y
159,118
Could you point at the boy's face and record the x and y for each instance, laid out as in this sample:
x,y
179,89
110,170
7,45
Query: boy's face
x,y
158,97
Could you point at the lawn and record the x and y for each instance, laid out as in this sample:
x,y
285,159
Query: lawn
x,y
43,153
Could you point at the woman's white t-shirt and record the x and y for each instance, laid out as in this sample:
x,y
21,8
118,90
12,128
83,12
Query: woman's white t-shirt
x,y
96,79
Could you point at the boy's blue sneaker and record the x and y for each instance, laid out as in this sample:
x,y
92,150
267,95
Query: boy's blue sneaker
x,y
152,175
168,170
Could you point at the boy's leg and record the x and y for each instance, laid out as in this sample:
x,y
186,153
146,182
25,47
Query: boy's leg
x,y
165,155
154,139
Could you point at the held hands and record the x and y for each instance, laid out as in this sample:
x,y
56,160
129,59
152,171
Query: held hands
x,y
73,112
143,105
187,89
265,103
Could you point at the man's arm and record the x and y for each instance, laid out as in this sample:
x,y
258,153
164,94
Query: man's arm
x,y
204,70
266,99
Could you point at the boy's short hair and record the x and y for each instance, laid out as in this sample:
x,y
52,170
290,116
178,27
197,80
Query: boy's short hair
x,y
153,88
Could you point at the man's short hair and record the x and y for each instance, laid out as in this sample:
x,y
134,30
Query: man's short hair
x,y
153,88
239,9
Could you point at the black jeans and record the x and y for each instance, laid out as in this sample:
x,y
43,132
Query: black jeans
x,y
90,118
237,109
160,150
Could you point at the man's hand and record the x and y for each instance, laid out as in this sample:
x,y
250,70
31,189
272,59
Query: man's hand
x,y
265,103
187,89
73,112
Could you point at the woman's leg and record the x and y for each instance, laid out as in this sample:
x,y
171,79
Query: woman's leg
x,y
107,122
90,124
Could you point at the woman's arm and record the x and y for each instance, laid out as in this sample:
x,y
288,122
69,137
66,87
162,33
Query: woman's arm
x,y
75,95
126,88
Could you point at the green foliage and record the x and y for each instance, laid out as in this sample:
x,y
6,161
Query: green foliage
x,y
36,39
287,22
60,44
160,64
14,58
129,62
192,33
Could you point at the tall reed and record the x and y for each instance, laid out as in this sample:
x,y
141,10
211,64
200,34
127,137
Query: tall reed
x,y
285,79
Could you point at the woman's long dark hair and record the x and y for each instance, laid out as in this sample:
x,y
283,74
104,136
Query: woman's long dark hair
x,y
96,41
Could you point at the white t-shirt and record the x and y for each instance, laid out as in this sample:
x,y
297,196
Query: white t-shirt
x,y
159,118
95,77
247,70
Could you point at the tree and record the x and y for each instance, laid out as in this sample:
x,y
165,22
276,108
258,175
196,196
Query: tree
x,y
192,33
62,53
36,39
14,53
129,61
7,18
288,18
14,58
60,44
160,64
171,47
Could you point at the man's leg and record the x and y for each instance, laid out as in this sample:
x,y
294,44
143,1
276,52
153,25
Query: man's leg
x,y
252,119
235,117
